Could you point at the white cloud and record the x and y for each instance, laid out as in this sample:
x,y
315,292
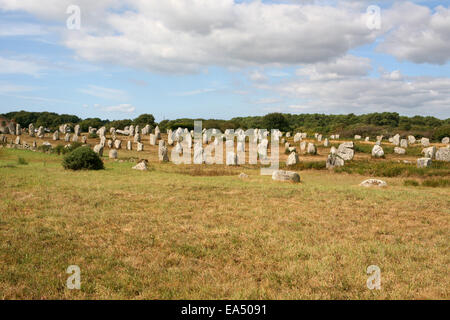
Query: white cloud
x,y
14,66
195,92
104,93
123,108
417,34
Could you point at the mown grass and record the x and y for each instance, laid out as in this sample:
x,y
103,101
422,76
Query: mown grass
x,y
164,234
394,169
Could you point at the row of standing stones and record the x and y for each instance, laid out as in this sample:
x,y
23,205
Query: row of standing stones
x,y
183,138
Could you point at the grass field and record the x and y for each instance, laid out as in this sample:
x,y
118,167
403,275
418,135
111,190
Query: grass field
x,y
176,232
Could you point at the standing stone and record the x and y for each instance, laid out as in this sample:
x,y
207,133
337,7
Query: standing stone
x,y
311,148
75,138
77,130
103,140
98,149
56,135
404,143
142,166
303,146
443,154
17,142
231,159
198,153
429,152
137,138
31,130
334,160
377,152
326,143
319,138
398,150
131,131
292,159
109,143
84,139
152,139
446,140
67,137
129,145
367,139
34,144
281,175
140,147
157,133
357,137
298,137
425,142
113,154
411,139
345,151
423,162
18,129
163,152
118,144
12,128
396,139
40,133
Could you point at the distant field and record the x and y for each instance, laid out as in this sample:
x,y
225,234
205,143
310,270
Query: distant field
x,y
183,232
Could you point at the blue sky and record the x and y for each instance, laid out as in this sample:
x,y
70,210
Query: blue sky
x,y
223,59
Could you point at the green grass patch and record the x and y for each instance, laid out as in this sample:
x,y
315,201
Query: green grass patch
x,y
22,161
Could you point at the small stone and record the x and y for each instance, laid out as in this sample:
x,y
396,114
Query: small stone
x,y
113,154
373,183
377,152
142,166
423,162
281,175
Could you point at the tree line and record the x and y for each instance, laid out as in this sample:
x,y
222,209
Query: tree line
x,y
386,123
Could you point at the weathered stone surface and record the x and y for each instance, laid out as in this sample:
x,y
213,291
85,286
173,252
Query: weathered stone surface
x,y
163,152
423,162
31,130
345,151
297,137
377,152
429,152
142,166
118,144
425,142
137,138
113,154
396,139
56,135
18,129
311,148
129,145
281,175
367,139
357,137
231,159
40,133
411,139
67,137
17,141
334,160
446,140
443,154
98,149
398,150
373,183
77,130
153,139
140,147
157,133
243,176
303,146
326,143
404,143
109,143
292,159
74,138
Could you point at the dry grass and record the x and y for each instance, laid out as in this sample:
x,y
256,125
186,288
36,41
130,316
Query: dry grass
x,y
200,233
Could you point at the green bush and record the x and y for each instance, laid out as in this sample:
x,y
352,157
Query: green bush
x,y
22,161
412,183
82,158
435,183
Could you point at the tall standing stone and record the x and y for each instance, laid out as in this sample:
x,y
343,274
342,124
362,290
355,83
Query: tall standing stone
x,y
31,130
163,152
129,145
56,135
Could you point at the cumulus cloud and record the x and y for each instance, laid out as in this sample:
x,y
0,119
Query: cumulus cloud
x,y
123,108
420,36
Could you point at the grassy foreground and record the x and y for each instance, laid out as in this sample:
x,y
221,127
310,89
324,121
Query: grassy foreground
x,y
171,234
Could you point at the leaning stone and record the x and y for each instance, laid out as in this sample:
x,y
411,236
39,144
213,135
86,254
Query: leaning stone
x,y
281,175
423,162
373,183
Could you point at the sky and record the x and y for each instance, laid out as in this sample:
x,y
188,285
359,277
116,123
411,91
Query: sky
x,y
223,58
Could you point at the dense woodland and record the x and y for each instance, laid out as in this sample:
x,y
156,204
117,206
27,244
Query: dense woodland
x,y
386,123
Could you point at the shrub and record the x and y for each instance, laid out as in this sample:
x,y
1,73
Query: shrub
x,y
435,183
412,183
45,148
22,161
82,158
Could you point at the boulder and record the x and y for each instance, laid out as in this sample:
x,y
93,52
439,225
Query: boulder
x,y
357,137
373,183
429,152
67,137
425,142
404,143
443,154
411,139
334,160
446,140
345,151
281,175
398,150
396,139
142,166
118,144
243,176
311,148
377,152
423,162
303,146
